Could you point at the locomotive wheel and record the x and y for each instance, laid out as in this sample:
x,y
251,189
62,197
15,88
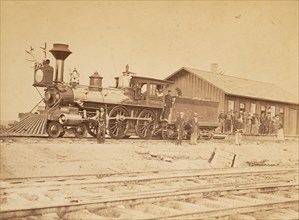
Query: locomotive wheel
x,y
92,129
80,131
118,125
145,128
54,129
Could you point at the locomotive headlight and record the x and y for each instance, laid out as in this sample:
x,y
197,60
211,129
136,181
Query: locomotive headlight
x,y
39,76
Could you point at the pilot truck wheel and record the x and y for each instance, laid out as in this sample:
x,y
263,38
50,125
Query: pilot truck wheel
x,y
54,129
80,131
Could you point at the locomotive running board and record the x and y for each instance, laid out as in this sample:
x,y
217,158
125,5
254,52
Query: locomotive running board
x,y
31,125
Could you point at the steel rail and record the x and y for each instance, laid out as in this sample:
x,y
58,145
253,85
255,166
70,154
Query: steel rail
x,y
137,198
156,175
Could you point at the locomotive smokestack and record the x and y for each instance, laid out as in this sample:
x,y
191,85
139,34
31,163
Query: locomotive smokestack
x,y
60,52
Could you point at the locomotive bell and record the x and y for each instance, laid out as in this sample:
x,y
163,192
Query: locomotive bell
x,y
60,52
95,82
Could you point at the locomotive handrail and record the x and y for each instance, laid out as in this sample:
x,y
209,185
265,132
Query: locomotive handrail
x,y
53,105
107,88
36,105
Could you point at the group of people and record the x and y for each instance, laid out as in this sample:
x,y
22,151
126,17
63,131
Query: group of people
x,y
194,128
240,122
252,123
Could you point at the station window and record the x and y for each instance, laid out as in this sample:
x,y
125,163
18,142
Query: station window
x,y
242,106
263,109
272,110
231,105
252,108
281,115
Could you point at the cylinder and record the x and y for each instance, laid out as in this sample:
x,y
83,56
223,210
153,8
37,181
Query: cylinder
x,y
60,52
70,119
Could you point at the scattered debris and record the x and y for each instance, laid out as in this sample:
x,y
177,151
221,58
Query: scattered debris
x,y
74,200
142,151
167,159
261,163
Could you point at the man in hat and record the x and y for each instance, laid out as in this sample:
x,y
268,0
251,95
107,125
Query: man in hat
x,y
194,129
239,129
180,125
222,118
102,118
168,105
263,121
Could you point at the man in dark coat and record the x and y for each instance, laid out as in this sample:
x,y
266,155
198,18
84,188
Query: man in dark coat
x,y
268,124
102,118
168,105
263,121
194,129
180,124
222,118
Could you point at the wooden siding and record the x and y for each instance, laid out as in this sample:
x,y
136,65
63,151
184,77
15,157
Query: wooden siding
x,y
193,86
290,116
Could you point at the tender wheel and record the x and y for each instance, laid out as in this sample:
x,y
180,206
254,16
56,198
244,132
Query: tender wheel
x,y
146,124
54,129
169,134
80,131
92,128
118,125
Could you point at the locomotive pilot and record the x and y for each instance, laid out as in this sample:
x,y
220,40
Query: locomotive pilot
x,y
102,119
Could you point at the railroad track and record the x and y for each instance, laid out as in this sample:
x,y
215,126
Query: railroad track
x,y
180,194
58,140
5,138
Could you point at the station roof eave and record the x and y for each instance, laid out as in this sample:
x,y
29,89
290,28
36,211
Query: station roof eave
x,y
148,79
241,87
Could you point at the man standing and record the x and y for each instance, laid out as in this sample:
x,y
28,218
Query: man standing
x,y
180,124
194,129
102,120
263,120
239,129
221,119
268,123
168,105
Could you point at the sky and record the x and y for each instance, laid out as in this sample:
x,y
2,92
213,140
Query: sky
x,y
249,39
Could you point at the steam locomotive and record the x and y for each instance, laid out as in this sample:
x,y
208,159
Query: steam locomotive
x,y
132,105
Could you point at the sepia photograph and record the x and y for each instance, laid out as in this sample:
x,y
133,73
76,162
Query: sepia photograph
x,y
149,110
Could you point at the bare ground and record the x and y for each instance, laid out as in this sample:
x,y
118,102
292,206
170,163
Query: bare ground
x,y
50,157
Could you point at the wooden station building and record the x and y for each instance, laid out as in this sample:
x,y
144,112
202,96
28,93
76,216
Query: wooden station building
x,y
238,94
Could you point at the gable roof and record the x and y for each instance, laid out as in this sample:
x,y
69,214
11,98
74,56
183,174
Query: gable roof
x,y
242,87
